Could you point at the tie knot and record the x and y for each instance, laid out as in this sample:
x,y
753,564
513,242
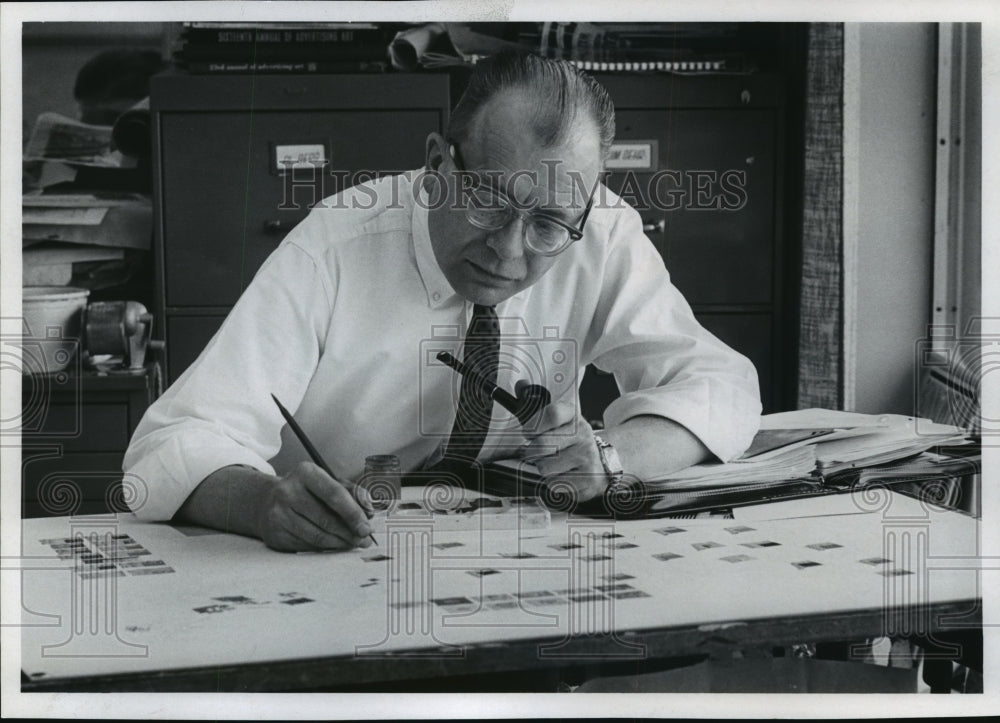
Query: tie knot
x,y
484,322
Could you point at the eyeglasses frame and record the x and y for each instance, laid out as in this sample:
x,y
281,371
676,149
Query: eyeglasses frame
x,y
575,234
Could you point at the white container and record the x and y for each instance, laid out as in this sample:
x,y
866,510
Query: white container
x,y
53,318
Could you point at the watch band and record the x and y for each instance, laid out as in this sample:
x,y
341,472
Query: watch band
x,y
610,459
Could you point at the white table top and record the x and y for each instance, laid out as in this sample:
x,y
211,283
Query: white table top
x,y
110,595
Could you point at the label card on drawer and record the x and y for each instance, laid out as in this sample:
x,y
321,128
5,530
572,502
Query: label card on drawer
x,y
290,156
634,155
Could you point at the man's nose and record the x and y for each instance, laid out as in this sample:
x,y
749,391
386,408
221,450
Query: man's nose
x,y
508,242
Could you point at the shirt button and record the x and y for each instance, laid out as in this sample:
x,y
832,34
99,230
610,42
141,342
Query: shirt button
x,y
436,296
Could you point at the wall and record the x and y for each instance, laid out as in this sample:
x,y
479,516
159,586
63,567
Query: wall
x,y
891,102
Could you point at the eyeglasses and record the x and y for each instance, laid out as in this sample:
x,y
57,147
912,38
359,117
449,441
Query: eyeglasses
x,y
542,233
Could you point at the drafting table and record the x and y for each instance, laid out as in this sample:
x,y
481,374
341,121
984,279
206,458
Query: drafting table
x,y
113,604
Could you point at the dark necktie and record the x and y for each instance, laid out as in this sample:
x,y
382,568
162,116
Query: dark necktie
x,y
481,355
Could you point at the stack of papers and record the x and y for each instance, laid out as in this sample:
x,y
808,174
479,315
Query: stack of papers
x,y
51,263
103,218
926,465
817,443
897,437
82,238
797,462
57,138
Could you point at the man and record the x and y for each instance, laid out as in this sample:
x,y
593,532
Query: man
x,y
507,233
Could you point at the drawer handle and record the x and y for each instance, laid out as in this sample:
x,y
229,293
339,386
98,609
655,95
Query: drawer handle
x,y
657,227
276,225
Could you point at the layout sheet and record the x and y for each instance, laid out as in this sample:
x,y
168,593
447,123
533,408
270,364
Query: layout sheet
x,y
113,595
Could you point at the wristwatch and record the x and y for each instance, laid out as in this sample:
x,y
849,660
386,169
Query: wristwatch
x,y
611,461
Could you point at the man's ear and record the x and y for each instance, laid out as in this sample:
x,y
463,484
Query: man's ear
x,y
437,147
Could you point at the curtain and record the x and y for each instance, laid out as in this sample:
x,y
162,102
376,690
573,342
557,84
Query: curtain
x,y
821,308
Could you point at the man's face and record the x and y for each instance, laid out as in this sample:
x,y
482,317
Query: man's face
x,y
487,267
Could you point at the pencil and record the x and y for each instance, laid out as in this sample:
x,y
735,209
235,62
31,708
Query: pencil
x,y
313,452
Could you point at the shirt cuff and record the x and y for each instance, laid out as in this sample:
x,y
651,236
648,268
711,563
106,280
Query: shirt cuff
x,y
726,434
165,478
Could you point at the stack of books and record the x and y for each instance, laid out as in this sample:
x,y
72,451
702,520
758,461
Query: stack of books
x,y
219,47
637,47
691,48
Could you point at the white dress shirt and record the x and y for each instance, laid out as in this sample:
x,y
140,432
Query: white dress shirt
x,y
343,322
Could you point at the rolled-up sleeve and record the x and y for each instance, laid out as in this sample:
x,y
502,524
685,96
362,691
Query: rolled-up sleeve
x,y
666,364
220,411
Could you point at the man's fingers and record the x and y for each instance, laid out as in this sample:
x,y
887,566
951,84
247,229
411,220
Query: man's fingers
x,y
554,416
335,496
573,460
290,532
548,444
362,496
317,537
553,467
314,522
574,433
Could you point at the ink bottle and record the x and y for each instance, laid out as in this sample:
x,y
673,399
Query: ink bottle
x,y
382,480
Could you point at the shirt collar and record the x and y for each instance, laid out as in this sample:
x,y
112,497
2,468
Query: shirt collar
x,y
439,291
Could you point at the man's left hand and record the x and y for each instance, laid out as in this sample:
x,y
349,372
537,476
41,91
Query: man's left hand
x,y
561,445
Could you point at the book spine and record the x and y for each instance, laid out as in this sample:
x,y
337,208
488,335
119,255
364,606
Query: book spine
x,y
285,36
248,52
334,67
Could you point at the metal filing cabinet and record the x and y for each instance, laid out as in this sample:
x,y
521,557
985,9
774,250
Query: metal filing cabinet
x,y
711,199
224,202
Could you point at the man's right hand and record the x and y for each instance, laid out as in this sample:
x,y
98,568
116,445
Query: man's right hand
x,y
306,509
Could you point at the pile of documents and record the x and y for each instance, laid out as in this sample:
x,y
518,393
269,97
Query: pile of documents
x,y
817,444
117,219
848,440
773,466
56,138
63,231
67,232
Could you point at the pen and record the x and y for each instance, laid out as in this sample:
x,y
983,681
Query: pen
x,y
523,407
313,452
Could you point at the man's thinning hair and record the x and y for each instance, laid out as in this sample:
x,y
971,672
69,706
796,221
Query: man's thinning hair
x,y
559,91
